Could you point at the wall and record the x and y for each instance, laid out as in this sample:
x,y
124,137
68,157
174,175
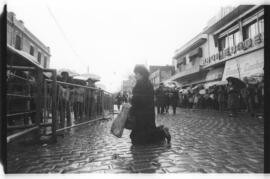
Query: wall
x,y
15,27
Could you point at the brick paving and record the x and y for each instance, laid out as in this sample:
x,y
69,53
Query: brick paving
x,y
202,142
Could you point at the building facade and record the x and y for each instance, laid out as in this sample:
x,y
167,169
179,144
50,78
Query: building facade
x,y
160,74
127,85
236,43
187,61
231,46
20,38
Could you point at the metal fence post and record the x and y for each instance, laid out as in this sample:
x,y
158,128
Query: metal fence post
x,y
54,105
38,101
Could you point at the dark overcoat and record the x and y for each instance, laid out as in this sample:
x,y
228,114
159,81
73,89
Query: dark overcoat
x,y
142,110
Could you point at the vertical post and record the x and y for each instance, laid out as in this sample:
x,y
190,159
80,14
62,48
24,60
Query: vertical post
x,y
38,100
102,103
241,31
54,105
45,110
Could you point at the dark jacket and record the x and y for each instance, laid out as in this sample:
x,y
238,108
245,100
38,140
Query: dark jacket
x,y
233,97
143,105
174,97
142,110
160,96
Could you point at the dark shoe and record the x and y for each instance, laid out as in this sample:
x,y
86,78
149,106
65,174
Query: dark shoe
x,y
167,134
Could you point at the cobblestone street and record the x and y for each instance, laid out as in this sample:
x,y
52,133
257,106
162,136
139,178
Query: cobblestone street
x,y
202,141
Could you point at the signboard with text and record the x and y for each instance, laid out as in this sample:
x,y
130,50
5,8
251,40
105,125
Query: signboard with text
x,y
231,51
246,65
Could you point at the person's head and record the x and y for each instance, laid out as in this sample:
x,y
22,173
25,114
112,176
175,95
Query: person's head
x,y
245,79
141,72
64,75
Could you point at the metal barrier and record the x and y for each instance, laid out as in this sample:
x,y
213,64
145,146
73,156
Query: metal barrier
x,y
23,107
76,104
50,106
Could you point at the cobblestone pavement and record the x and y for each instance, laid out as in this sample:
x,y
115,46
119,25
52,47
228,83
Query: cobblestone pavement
x,y
202,141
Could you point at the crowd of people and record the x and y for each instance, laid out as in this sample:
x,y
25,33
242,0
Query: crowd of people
x,y
248,98
222,97
233,95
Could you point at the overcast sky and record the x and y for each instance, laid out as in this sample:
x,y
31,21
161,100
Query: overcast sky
x,y
111,36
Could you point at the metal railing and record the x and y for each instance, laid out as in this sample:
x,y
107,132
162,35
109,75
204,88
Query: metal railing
x,y
48,106
23,108
75,104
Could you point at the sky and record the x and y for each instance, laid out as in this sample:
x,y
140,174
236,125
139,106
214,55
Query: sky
x,y
112,36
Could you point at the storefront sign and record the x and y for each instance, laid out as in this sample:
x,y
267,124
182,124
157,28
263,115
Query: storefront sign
x,y
232,50
214,74
246,65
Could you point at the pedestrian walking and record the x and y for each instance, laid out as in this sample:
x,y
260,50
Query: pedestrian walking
x,y
174,99
196,100
190,99
143,111
233,98
167,100
160,98
221,98
64,100
119,100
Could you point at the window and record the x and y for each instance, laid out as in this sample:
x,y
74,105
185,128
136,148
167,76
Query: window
x,y
39,57
222,43
250,30
45,62
261,26
32,51
237,38
229,41
18,42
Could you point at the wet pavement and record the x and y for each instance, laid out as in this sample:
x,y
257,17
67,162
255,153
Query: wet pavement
x,y
202,141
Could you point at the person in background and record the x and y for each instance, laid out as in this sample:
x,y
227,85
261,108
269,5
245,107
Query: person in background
x,y
78,95
233,98
174,99
125,97
250,95
196,100
160,99
190,99
167,100
244,95
64,100
221,98
143,111
181,99
207,99
211,99
119,100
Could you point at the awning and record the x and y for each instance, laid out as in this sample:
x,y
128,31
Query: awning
x,y
193,43
215,74
217,83
196,52
86,77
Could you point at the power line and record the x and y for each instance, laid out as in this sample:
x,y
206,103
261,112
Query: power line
x,y
64,35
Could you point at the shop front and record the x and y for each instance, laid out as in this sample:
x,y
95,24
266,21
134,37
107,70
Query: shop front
x,y
251,64
214,76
